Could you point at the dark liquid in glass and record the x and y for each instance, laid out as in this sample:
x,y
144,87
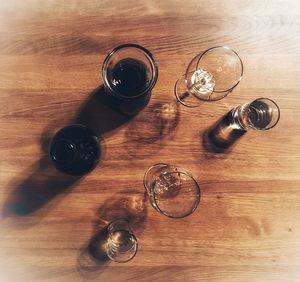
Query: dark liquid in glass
x,y
129,77
75,150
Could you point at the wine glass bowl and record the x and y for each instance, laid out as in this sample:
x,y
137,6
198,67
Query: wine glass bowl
x,y
210,76
172,191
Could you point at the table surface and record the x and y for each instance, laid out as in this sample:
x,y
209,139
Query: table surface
x,y
247,226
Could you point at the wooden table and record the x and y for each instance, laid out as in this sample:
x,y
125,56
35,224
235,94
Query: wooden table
x,y
247,227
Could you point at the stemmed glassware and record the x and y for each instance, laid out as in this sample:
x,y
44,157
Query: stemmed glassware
x,y
210,76
172,191
129,74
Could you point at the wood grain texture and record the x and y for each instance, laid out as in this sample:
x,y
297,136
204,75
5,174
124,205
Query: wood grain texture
x,y
247,226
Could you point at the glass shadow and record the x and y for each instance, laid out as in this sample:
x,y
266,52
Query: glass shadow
x,y
101,113
222,135
92,259
37,189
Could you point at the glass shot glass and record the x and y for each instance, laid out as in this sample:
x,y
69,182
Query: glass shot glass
x,y
75,150
121,244
172,191
129,74
210,76
260,114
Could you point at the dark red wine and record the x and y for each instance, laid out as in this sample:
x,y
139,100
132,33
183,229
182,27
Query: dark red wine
x,y
129,77
75,150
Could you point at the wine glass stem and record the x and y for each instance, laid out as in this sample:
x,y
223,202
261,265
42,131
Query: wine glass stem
x,y
184,95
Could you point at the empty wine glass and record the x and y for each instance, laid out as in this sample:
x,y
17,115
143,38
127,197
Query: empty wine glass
x,y
260,114
172,191
121,243
210,76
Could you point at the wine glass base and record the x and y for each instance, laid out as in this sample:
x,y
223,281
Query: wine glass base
x,y
183,96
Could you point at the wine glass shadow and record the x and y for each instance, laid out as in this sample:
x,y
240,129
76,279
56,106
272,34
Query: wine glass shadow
x,y
221,136
92,258
155,122
101,113
147,131
131,205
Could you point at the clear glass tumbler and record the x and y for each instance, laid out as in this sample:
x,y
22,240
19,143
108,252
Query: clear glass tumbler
x,y
172,191
129,74
121,245
260,114
210,76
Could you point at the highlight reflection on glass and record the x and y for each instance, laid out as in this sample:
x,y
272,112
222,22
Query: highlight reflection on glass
x,y
121,243
260,114
210,76
172,191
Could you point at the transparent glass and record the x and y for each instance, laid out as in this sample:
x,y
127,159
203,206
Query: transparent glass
x,y
129,71
121,243
172,191
210,76
260,114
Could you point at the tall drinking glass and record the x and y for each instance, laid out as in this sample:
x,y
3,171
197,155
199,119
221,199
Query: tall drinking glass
x,y
260,114
121,243
129,74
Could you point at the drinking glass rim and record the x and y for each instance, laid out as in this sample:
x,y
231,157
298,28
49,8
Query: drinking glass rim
x,y
278,109
241,74
131,234
183,171
147,171
150,58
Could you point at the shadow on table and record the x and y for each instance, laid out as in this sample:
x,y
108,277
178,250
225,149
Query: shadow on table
x,y
92,259
40,187
146,132
100,113
221,136
45,182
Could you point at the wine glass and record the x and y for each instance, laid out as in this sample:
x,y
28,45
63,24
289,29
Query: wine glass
x,y
210,76
172,191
